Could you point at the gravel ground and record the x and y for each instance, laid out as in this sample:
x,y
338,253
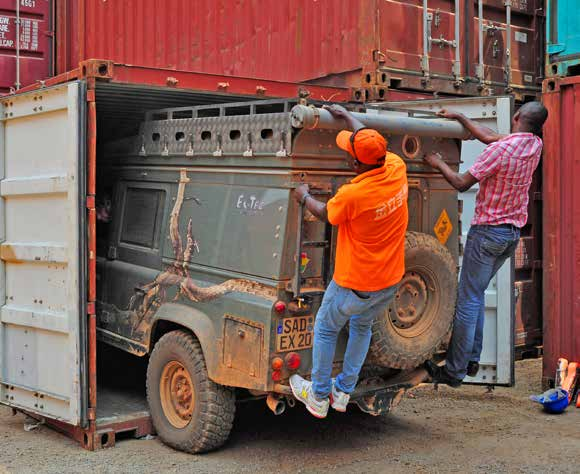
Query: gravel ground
x,y
465,430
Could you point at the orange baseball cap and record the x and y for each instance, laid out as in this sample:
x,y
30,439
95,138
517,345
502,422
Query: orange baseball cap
x,y
370,147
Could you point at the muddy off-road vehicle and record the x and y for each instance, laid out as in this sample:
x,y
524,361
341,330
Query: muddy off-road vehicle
x,y
181,226
208,265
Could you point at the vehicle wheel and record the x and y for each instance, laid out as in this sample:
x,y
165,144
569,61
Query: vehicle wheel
x,y
189,411
418,321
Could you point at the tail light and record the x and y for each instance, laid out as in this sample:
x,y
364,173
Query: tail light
x,y
277,363
280,307
293,361
276,375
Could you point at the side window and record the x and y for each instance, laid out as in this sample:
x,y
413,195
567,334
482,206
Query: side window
x,y
142,217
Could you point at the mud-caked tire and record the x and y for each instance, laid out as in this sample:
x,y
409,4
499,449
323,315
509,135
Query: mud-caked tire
x,y
418,321
189,411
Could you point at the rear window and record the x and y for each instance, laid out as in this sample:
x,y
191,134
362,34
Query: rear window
x,y
142,216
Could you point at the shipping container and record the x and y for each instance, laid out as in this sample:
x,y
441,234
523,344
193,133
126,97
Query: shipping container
x,y
27,57
52,141
563,38
442,45
476,47
561,196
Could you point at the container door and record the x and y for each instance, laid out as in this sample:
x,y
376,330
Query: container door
x,y
497,359
42,328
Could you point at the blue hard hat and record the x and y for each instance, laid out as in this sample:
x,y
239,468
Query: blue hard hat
x,y
554,400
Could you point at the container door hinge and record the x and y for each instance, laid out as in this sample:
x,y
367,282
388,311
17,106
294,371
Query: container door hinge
x,y
91,202
90,95
91,308
92,414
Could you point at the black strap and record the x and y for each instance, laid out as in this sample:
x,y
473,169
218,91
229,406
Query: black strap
x,y
353,135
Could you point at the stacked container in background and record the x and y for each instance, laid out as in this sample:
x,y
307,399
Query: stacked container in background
x,y
447,46
561,196
563,38
27,57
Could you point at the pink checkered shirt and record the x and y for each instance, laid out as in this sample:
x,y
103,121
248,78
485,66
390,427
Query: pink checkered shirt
x,y
504,171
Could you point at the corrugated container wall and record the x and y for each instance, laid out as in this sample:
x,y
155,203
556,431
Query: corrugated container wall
x,y
561,193
375,44
563,38
371,43
27,57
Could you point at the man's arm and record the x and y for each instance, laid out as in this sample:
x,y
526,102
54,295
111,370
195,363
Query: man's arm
x,y
317,208
462,182
482,133
339,112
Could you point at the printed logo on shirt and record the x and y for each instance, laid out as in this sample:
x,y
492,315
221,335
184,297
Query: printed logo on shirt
x,y
394,203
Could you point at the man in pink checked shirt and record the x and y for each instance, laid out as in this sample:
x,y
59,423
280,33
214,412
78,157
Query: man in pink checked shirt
x,y
504,172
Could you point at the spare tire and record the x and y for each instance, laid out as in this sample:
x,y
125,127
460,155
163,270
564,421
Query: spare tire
x,y
418,321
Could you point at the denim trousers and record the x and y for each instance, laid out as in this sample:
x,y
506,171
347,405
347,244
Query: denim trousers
x,y
339,306
486,249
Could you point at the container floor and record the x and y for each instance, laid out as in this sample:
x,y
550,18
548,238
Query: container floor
x,y
115,403
121,394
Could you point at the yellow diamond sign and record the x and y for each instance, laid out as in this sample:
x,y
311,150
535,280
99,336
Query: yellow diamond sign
x,y
443,227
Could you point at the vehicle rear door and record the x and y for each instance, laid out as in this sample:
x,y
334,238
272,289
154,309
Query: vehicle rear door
x,y
497,359
42,257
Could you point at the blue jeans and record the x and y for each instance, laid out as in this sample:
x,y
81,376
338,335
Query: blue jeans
x,y
340,305
486,249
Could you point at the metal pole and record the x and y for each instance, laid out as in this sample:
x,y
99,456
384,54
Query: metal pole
x,y
315,118
508,33
457,65
17,44
480,68
425,58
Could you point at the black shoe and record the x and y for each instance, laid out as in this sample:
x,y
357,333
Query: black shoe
x,y
472,368
440,375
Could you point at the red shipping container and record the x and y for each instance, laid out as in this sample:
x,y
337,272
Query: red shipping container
x,y
26,57
373,43
377,44
561,223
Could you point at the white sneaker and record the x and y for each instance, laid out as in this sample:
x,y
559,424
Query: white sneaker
x,y
302,390
338,400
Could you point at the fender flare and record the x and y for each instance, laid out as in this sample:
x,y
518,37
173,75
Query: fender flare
x,y
199,324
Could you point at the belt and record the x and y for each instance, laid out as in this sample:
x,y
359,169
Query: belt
x,y
504,226
508,226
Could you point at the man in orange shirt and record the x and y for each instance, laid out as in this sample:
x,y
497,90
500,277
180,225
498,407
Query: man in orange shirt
x,y
371,215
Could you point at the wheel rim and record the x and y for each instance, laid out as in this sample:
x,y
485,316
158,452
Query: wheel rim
x,y
416,303
177,394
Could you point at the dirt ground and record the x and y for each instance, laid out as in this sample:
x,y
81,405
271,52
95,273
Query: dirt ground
x,y
466,430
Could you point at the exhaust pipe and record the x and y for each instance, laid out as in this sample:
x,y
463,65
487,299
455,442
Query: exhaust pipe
x,y
276,404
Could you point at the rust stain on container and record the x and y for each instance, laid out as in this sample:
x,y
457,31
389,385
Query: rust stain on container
x,y
561,238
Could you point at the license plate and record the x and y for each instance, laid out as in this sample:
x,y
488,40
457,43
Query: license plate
x,y
293,334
